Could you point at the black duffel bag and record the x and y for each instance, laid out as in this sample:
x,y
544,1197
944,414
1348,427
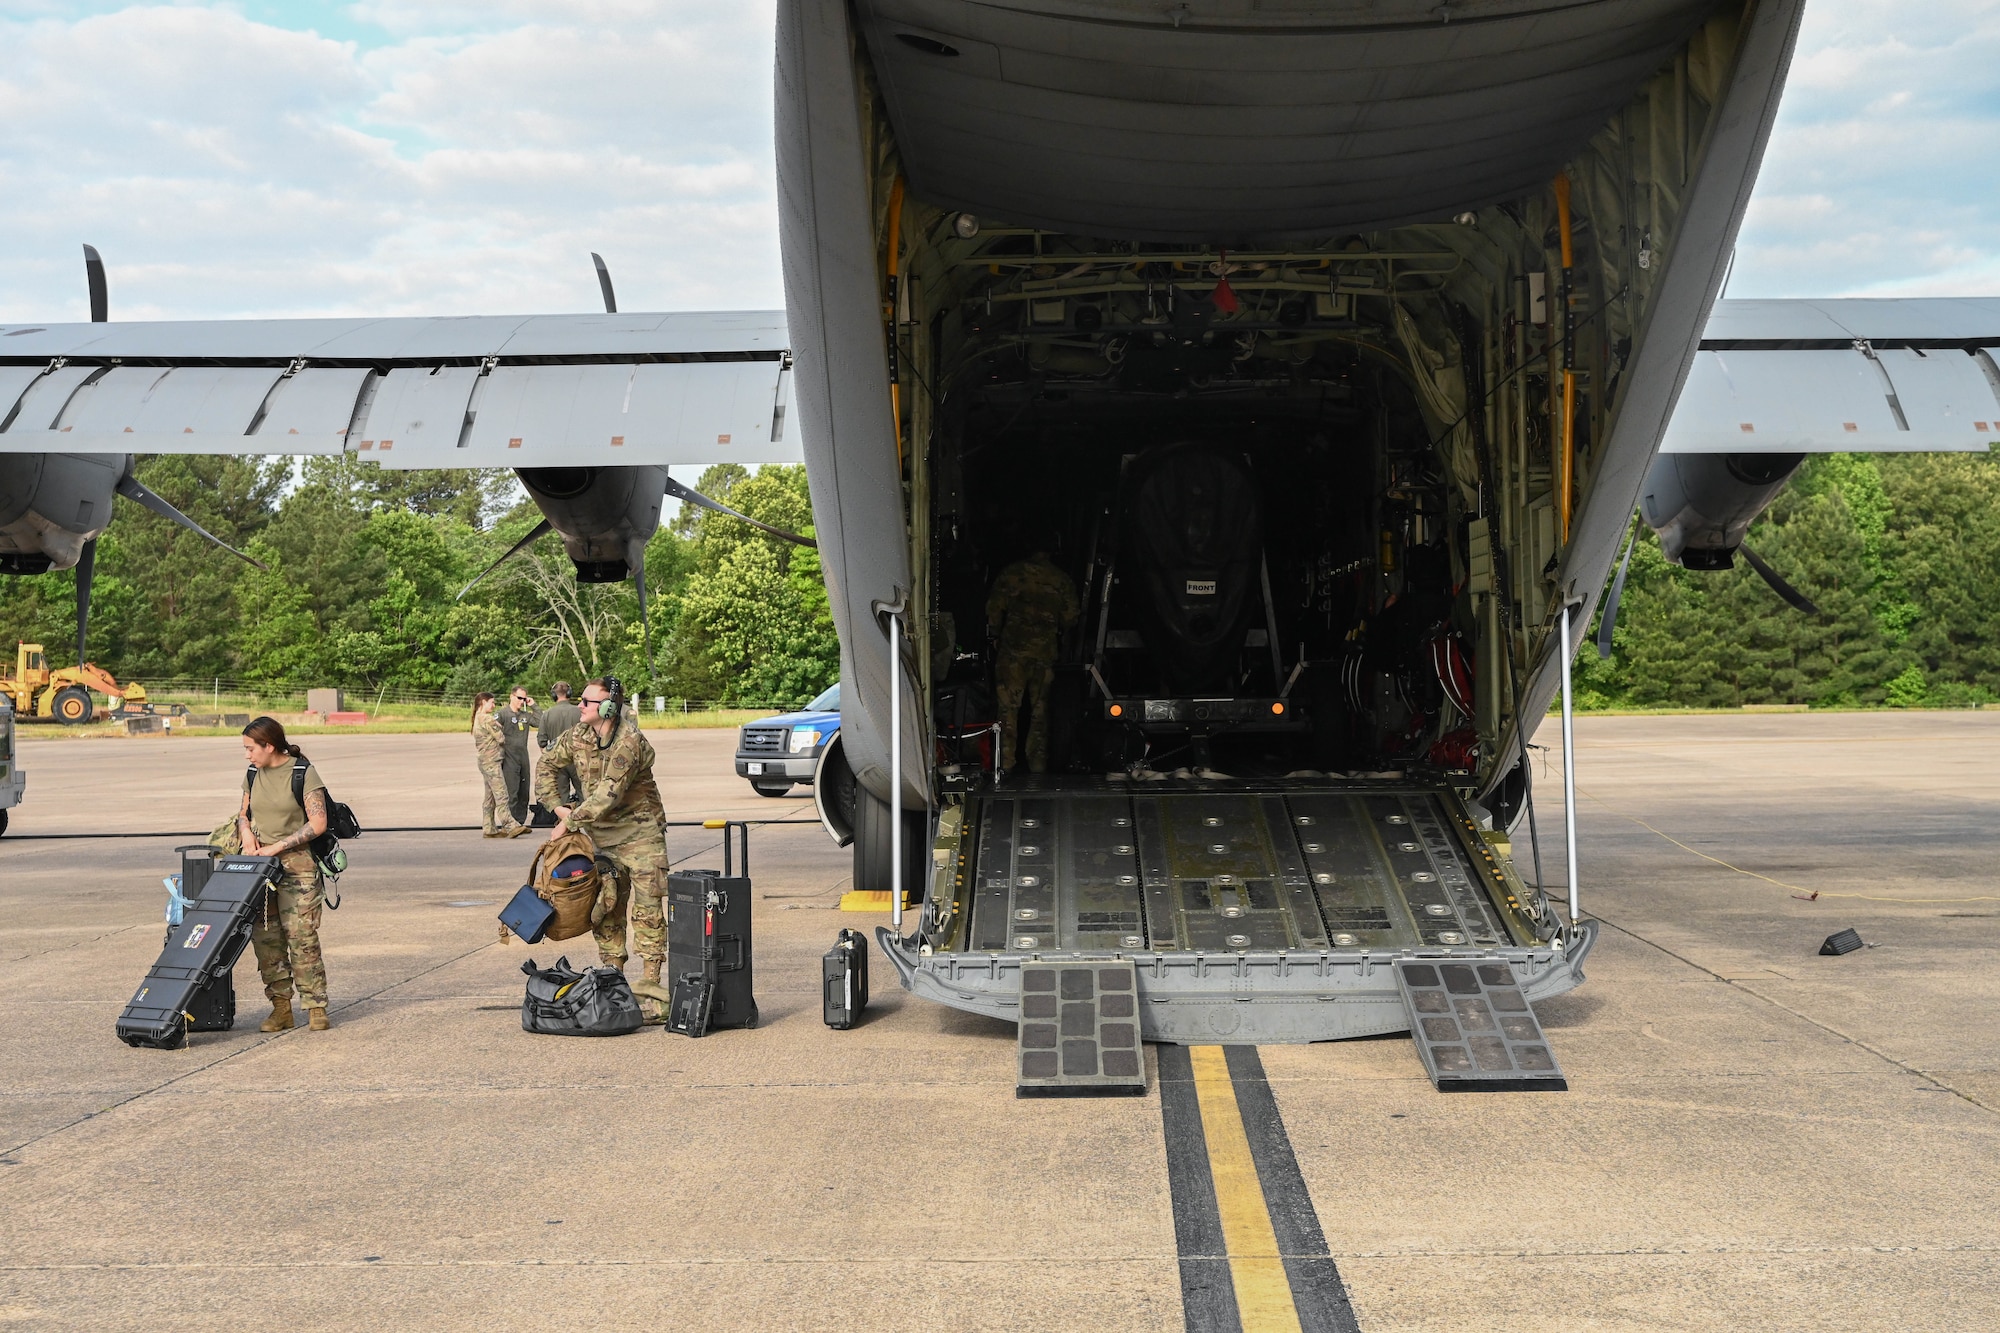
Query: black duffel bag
x,y
563,1002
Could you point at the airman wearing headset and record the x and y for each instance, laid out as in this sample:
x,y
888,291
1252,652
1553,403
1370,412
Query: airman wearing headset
x,y
613,766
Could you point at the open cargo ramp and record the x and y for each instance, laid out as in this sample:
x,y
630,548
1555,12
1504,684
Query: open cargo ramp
x,y
1252,912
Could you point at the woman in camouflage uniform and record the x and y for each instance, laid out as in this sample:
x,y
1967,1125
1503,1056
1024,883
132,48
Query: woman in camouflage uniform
x,y
272,823
490,743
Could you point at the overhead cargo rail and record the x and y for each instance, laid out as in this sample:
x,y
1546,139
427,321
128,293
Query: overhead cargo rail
x,y
533,391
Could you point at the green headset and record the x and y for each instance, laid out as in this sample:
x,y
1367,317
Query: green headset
x,y
609,709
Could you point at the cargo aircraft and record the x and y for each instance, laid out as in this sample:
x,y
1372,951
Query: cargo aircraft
x,y
1329,346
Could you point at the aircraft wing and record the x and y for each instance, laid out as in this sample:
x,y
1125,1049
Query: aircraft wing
x,y
1872,376
487,391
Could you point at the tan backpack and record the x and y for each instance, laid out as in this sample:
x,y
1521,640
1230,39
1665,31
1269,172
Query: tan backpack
x,y
572,899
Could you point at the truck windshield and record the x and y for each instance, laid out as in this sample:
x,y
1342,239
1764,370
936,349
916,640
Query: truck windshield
x,y
826,703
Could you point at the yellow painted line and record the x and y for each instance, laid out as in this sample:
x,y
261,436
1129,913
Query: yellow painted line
x,y
1263,1292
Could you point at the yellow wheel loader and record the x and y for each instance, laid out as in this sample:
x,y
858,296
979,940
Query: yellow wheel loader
x,y
65,694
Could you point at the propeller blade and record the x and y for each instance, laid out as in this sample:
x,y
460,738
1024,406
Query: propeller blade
x,y
86,565
645,622
100,294
132,488
539,531
1795,599
1609,620
694,497
604,283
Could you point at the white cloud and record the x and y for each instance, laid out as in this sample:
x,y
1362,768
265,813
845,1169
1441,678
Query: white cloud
x,y
452,157
447,160
1881,175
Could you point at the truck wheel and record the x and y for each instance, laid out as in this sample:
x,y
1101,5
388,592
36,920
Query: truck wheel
x,y
772,788
73,706
3,823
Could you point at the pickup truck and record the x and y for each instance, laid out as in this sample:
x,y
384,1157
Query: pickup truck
x,y
774,753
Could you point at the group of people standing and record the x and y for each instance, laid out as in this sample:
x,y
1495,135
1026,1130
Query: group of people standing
x,y
595,777
500,738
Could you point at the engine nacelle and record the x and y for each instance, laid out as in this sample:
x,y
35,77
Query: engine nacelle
x,y
51,504
1703,504
604,515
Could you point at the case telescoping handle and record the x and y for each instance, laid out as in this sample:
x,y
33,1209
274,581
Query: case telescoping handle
x,y
742,829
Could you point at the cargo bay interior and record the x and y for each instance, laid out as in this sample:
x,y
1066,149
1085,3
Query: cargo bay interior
x,y
1312,490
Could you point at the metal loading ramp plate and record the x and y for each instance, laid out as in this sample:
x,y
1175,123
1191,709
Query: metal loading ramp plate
x,y
1475,1029
1079,1031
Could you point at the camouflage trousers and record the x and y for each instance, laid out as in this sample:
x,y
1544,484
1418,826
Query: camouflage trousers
x,y
495,802
285,936
638,880
1017,676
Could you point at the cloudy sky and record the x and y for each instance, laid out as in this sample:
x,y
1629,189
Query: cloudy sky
x,y
274,157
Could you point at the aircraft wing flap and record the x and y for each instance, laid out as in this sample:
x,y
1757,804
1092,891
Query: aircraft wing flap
x,y
188,400
420,412
490,391
309,412
1832,399
694,413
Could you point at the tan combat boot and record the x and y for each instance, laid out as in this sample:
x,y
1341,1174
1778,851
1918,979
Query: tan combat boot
x,y
316,1018
281,1016
649,984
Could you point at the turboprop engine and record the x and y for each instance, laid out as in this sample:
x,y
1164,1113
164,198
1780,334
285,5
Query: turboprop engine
x,y
604,515
1703,504
54,507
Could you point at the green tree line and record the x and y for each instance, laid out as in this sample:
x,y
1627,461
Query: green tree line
x,y
1901,553
364,565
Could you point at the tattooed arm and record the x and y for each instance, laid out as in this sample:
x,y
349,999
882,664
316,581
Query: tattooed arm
x,y
314,826
243,832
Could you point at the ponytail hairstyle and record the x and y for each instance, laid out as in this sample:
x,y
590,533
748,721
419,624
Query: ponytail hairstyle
x,y
479,701
269,731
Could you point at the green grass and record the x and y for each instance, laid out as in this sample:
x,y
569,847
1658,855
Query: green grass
x,y
408,719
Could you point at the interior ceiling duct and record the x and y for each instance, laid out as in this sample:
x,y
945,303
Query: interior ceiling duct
x,y
1138,120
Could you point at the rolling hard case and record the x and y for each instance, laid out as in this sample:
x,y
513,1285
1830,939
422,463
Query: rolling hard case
x,y
214,1007
844,980
708,937
189,988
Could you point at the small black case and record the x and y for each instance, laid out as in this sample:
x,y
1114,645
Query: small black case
x,y
694,994
844,980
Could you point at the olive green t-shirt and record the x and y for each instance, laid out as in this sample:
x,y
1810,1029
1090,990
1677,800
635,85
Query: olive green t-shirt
x,y
274,815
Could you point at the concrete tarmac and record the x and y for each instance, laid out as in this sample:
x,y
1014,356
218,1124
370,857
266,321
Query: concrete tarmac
x,y
1756,1137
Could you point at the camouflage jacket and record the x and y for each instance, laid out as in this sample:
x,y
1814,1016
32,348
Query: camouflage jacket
x,y
621,802
488,741
1032,603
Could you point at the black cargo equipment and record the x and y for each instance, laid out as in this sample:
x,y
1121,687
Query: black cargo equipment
x,y
708,935
688,1013
214,1007
563,1002
199,954
844,980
